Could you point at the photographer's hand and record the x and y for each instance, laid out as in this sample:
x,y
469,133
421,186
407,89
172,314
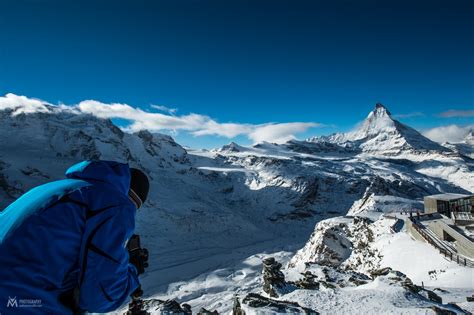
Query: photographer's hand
x,y
138,255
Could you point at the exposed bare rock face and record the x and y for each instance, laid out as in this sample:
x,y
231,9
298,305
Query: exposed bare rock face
x,y
309,281
156,306
273,279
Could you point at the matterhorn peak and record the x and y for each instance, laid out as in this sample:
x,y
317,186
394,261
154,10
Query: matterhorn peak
x,y
378,121
380,111
380,132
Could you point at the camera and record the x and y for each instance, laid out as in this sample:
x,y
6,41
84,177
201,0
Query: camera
x,y
138,255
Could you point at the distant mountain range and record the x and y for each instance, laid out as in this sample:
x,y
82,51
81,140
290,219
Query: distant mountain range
x,y
205,205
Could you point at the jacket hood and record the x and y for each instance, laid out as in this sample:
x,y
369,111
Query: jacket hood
x,y
114,173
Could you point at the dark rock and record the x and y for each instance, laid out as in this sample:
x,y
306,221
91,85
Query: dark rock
x,y
186,307
355,279
136,307
327,285
430,295
237,308
308,282
273,278
203,311
381,272
255,300
154,306
172,307
442,311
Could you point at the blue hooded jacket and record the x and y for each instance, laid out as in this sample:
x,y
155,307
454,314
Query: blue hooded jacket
x,y
69,236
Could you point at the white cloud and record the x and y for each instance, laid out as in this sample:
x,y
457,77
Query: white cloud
x,y
143,120
195,124
457,113
165,109
279,133
450,133
228,130
22,104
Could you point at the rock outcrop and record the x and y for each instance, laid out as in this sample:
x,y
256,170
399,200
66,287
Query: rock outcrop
x,y
273,279
264,305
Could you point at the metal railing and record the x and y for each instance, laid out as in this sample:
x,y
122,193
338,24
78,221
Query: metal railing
x,y
447,251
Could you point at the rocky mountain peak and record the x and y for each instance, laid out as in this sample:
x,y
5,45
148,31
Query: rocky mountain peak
x,y
381,111
379,117
381,133
378,121
231,147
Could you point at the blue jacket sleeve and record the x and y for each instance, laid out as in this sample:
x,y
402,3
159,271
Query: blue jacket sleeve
x,y
107,279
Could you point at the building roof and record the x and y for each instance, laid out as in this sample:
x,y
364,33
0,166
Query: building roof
x,y
448,197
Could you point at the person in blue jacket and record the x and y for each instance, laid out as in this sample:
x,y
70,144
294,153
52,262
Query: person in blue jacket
x,y
63,244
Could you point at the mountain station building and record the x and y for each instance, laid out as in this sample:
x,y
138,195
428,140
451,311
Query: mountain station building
x,y
448,223
458,207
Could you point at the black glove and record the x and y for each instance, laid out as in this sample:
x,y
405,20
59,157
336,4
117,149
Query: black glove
x,y
138,256
137,293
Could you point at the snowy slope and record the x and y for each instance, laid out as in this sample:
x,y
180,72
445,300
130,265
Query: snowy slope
x,y
343,289
211,210
371,246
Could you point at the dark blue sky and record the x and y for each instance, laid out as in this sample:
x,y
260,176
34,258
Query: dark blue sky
x,y
246,61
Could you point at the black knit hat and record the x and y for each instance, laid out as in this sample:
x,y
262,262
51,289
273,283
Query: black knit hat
x,y
139,187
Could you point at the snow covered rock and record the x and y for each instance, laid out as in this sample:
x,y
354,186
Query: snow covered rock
x,y
328,245
167,307
342,242
255,303
309,281
204,311
465,147
273,279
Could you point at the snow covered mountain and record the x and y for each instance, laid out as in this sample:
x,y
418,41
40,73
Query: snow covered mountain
x,y
210,209
380,133
469,139
465,147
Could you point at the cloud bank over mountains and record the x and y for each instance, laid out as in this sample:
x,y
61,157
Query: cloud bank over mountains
x,y
166,119
449,133
163,120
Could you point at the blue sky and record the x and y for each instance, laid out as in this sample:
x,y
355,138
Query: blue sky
x,y
321,63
